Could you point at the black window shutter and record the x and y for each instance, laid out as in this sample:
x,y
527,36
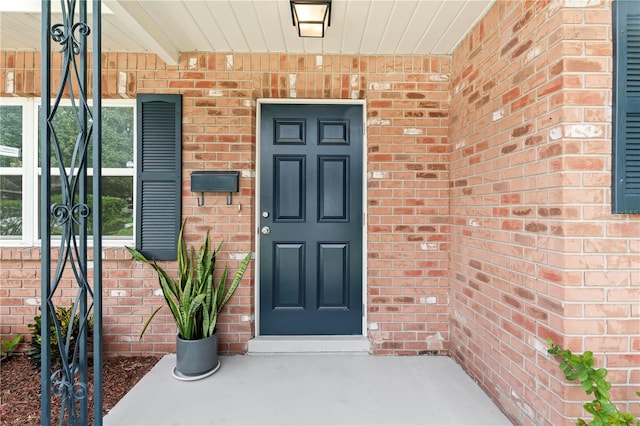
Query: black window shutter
x,y
626,107
159,175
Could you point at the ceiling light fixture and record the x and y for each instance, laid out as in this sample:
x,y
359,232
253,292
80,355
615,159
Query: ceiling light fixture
x,y
311,17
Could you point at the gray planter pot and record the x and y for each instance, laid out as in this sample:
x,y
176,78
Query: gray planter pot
x,y
196,359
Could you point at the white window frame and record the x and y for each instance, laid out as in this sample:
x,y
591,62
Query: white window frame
x,y
31,173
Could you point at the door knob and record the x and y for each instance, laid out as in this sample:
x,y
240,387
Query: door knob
x,y
265,230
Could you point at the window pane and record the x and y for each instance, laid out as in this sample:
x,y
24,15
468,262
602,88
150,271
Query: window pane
x,y
10,136
10,206
117,205
65,132
117,137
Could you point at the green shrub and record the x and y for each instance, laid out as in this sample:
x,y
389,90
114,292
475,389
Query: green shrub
x,y
64,319
10,217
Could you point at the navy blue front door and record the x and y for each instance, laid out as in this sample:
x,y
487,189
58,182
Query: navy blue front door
x,y
311,219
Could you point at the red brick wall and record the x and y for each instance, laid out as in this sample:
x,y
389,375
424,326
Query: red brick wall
x,y
535,251
408,177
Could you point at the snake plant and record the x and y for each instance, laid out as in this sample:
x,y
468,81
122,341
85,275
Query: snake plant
x,y
195,297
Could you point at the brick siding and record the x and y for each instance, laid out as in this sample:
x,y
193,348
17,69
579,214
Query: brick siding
x,y
407,122
535,251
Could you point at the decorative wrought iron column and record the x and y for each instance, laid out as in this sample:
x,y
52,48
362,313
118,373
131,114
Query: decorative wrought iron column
x,y
67,380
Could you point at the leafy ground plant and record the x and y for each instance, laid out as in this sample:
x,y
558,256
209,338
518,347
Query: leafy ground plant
x,y
64,317
592,380
9,346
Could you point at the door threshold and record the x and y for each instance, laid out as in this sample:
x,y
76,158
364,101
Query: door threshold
x,y
309,344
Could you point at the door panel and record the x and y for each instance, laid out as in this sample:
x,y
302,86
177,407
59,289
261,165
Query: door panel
x,y
289,188
333,276
288,276
311,203
333,190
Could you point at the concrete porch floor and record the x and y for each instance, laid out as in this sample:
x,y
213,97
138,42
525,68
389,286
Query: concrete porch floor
x,y
311,389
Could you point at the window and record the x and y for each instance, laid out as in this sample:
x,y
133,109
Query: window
x,y
626,107
20,172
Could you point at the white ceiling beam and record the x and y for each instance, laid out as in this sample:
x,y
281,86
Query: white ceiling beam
x,y
136,20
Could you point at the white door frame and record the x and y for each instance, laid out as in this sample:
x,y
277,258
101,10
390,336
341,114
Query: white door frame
x,y
266,101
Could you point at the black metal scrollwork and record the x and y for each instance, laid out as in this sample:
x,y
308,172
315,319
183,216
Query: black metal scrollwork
x,y
65,389
62,213
69,382
67,38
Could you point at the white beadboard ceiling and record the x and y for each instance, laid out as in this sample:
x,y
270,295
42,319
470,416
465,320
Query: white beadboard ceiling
x,y
167,27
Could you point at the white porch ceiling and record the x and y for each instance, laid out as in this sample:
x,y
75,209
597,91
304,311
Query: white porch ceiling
x,y
167,27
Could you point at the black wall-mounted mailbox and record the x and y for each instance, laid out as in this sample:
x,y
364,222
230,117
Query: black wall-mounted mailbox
x,y
217,181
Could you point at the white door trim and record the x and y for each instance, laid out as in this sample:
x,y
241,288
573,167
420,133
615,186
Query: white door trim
x,y
259,104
